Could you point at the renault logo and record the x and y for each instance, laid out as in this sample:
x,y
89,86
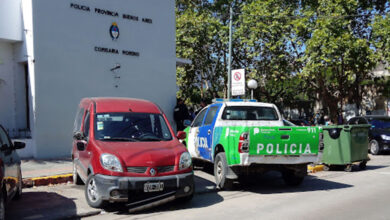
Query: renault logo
x,y
152,172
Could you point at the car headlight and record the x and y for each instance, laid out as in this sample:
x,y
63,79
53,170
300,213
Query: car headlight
x,y
185,161
110,162
385,137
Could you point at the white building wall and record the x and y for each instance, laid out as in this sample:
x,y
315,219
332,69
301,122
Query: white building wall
x,y
67,68
10,20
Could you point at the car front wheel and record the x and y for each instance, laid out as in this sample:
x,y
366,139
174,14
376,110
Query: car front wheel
x,y
92,195
2,208
76,178
374,147
19,186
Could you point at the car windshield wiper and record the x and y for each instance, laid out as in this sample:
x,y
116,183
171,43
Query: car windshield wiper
x,y
119,139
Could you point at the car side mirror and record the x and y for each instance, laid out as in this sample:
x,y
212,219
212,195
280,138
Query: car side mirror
x,y
78,135
187,123
181,135
81,145
19,145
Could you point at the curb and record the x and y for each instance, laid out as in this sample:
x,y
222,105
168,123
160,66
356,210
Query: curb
x,y
47,180
314,169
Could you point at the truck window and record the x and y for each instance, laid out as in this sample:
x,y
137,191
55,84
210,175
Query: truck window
x,y
199,118
86,125
210,115
249,113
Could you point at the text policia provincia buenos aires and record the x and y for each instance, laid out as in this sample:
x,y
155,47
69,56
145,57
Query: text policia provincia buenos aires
x,y
109,13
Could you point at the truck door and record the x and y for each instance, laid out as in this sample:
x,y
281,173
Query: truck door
x,y
193,134
205,136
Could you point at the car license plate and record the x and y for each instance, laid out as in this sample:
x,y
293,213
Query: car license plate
x,y
153,187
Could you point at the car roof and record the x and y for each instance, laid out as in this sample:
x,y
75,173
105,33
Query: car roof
x,y
116,104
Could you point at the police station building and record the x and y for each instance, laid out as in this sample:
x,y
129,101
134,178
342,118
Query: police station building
x,y
53,53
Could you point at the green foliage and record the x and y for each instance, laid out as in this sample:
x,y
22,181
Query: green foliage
x,y
294,49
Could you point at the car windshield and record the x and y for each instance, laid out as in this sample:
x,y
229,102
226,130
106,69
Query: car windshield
x,y
131,127
382,123
249,113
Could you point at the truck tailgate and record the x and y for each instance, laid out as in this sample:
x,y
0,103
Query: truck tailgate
x,y
284,140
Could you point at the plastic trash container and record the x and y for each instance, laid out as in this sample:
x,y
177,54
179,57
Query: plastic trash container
x,y
345,145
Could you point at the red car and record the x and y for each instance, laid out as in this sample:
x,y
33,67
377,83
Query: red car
x,y
124,150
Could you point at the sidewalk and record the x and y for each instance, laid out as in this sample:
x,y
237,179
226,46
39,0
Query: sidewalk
x,y
46,172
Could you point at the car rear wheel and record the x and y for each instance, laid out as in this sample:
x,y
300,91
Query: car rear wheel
x,y
76,178
220,172
374,147
92,195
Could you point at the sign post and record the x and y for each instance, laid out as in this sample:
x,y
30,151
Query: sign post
x,y
238,82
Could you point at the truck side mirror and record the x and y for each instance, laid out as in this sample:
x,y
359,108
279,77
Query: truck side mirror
x,y
187,123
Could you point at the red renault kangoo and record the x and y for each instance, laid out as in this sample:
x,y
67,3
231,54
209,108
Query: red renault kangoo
x,y
124,150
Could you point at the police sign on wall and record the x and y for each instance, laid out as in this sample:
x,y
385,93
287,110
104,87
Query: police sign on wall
x,y
114,31
238,82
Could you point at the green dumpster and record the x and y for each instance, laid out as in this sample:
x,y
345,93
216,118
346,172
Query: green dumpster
x,y
345,145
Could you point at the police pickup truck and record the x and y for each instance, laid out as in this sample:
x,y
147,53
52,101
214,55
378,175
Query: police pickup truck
x,y
248,137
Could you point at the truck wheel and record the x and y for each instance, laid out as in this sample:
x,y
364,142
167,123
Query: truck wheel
x,y
92,194
374,147
291,178
76,178
220,171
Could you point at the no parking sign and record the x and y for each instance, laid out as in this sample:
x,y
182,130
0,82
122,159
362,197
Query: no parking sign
x,y
238,82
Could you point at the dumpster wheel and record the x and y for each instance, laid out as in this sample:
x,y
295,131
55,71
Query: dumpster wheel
x,y
363,165
326,167
348,168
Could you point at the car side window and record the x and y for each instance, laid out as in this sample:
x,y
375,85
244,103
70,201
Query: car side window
x,y
199,118
210,115
86,125
4,138
78,120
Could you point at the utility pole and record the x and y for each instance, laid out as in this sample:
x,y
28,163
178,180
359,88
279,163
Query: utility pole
x,y
230,53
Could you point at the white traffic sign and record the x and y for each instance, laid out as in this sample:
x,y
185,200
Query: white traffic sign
x,y
238,82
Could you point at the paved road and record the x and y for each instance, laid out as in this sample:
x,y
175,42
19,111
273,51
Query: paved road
x,y
323,195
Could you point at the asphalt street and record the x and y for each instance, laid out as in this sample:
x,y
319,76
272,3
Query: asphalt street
x,y
324,195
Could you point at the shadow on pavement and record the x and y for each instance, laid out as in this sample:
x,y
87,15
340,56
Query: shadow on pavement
x,y
272,183
41,205
202,186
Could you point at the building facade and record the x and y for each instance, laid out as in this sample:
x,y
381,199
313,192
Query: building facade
x,y
53,53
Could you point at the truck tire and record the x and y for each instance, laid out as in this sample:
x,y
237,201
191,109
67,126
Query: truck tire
x,y
291,178
92,193
76,178
220,172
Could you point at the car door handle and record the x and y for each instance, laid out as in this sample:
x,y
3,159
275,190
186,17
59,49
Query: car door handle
x,y
209,132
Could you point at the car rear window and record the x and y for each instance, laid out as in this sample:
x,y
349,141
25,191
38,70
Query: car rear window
x,y
249,113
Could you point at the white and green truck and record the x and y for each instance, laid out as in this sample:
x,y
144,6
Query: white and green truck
x,y
246,136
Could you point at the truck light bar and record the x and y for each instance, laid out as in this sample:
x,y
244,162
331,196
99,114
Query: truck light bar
x,y
234,100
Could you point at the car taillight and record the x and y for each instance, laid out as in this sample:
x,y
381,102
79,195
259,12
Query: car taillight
x,y
243,143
